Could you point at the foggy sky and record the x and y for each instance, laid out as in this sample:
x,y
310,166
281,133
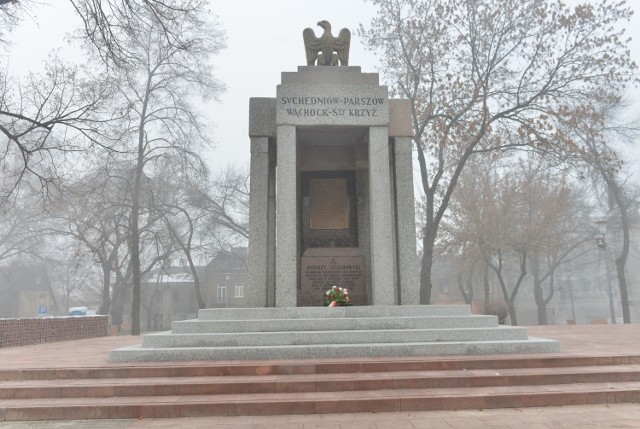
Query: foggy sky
x,y
264,39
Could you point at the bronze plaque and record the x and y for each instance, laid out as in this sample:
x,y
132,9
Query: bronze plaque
x,y
323,268
328,203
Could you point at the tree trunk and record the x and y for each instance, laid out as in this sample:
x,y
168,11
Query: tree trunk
x,y
505,294
425,273
105,303
486,283
134,243
134,225
538,293
542,306
624,291
196,281
621,260
117,307
512,313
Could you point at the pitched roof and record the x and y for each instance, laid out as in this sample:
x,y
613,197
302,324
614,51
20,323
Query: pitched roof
x,y
235,260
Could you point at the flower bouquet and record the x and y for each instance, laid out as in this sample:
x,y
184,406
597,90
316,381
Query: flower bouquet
x,y
336,297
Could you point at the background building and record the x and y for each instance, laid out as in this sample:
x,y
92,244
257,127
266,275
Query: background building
x,y
25,291
169,293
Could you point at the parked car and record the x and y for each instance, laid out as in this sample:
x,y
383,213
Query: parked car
x,y
77,311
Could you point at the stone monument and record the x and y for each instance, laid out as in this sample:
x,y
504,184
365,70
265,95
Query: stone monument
x,y
331,185
331,204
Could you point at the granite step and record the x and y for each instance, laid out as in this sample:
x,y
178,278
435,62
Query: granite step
x,y
324,312
318,402
304,383
333,324
168,339
314,351
324,367
317,386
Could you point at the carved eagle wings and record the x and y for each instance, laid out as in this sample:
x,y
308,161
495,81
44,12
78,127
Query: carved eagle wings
x,y
322,48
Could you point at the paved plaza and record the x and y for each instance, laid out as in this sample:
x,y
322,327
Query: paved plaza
x,y
591,340
582,417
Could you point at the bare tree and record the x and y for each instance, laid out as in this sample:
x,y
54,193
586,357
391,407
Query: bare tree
x,y
19,230
103,21
204,216
45,121
108,25
485,75
73,276
597,132
562,234
51,116
519,217
11,13
157,84
171,201
227,203
94,212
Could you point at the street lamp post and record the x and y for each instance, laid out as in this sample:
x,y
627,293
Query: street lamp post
x,y
602,245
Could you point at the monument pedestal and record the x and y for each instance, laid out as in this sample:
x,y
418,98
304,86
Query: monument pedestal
x,y
338,332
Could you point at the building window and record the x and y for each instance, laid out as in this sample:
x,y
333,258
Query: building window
x,y
222,292
239,290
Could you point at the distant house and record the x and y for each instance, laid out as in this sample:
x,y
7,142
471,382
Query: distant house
x,y
168,294
25,291
227,277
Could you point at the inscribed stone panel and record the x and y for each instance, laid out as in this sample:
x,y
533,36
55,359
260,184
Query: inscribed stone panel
x,y
323,268
329,203
355,105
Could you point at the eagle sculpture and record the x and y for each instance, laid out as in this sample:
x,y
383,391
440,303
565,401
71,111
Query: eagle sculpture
x,y
322,48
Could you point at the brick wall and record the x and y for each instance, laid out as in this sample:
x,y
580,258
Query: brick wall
x,y
22,332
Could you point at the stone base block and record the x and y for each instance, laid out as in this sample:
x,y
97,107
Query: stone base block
x,y
341,332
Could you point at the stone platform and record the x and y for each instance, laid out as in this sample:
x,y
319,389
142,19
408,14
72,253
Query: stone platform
x,y
341,332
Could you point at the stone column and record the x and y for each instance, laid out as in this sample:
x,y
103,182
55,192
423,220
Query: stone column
x,y
258,223
362,191
381,226
286,218
271,234
405,223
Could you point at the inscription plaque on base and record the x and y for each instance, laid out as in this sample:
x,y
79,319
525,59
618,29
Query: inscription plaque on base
x,y
322,268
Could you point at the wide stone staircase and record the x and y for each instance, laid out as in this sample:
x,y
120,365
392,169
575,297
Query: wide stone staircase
x,y
316,386
322,360
339,332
